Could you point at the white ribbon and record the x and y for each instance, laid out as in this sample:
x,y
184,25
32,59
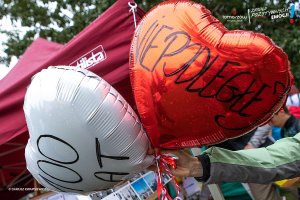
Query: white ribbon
x,y
133,10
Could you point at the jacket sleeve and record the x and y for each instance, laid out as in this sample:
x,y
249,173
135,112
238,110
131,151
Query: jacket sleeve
x,y
264,165
260,136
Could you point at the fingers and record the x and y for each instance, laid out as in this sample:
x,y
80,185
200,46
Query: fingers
x,y
163,151
150,151
166,151
154,167
178,153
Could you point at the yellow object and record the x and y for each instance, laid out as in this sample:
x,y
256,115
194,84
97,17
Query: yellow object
x,y
288,183
178,180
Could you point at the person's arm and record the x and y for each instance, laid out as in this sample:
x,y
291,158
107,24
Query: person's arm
x,y
187,165
264,165
259,137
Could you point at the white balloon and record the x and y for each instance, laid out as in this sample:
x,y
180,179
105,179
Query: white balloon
x,y
84,137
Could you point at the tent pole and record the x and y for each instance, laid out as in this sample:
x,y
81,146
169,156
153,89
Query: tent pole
x,y
28,182
214,189
14,144
21,163
3,178
13,150
4,167
16,178
21,179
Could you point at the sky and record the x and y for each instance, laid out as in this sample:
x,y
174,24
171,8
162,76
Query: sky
x,y
150,178
139,186
6,24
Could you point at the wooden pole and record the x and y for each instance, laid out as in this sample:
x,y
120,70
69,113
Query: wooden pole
x,y
36,186
152,196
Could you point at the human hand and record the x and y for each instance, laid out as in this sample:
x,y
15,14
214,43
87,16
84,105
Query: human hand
x,y
248,146
187,166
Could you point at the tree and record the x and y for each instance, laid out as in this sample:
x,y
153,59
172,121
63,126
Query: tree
x,y
49,19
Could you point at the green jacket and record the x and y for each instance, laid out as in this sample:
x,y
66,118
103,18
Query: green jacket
x,y
263,165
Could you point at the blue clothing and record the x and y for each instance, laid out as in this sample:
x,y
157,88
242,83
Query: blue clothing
x,y
276,133
290,127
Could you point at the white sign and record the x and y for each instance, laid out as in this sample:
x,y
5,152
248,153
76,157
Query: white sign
x,y
190,185
91,58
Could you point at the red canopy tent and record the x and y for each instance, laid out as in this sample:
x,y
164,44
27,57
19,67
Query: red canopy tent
x,y
12,120
103,48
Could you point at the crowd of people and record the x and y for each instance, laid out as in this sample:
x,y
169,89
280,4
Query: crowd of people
x,y
243,160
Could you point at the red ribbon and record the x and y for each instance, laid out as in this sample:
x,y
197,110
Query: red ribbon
x,y
163,161
169,160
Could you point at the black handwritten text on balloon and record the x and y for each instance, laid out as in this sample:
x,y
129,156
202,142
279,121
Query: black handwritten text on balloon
x,y
99,156
144,44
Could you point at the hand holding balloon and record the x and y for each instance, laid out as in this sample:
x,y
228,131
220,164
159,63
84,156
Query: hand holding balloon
x,y
187,165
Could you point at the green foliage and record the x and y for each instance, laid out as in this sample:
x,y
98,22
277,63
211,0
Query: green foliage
x,y
281,31
50,23
46,21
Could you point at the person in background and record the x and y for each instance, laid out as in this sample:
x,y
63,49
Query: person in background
x,y
276,133
260,137
269,191
293,97
292,103
262,191
288,123
262,165
255,139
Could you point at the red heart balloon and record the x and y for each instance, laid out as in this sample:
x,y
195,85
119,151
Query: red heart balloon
x,y
196,83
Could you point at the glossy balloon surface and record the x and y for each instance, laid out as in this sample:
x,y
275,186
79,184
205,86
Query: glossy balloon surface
x,y
197,83
84,137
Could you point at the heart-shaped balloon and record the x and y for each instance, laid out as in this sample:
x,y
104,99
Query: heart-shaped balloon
x,y
197,83
84,136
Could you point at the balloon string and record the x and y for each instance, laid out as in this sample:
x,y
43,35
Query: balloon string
x,y
133,10
162,161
